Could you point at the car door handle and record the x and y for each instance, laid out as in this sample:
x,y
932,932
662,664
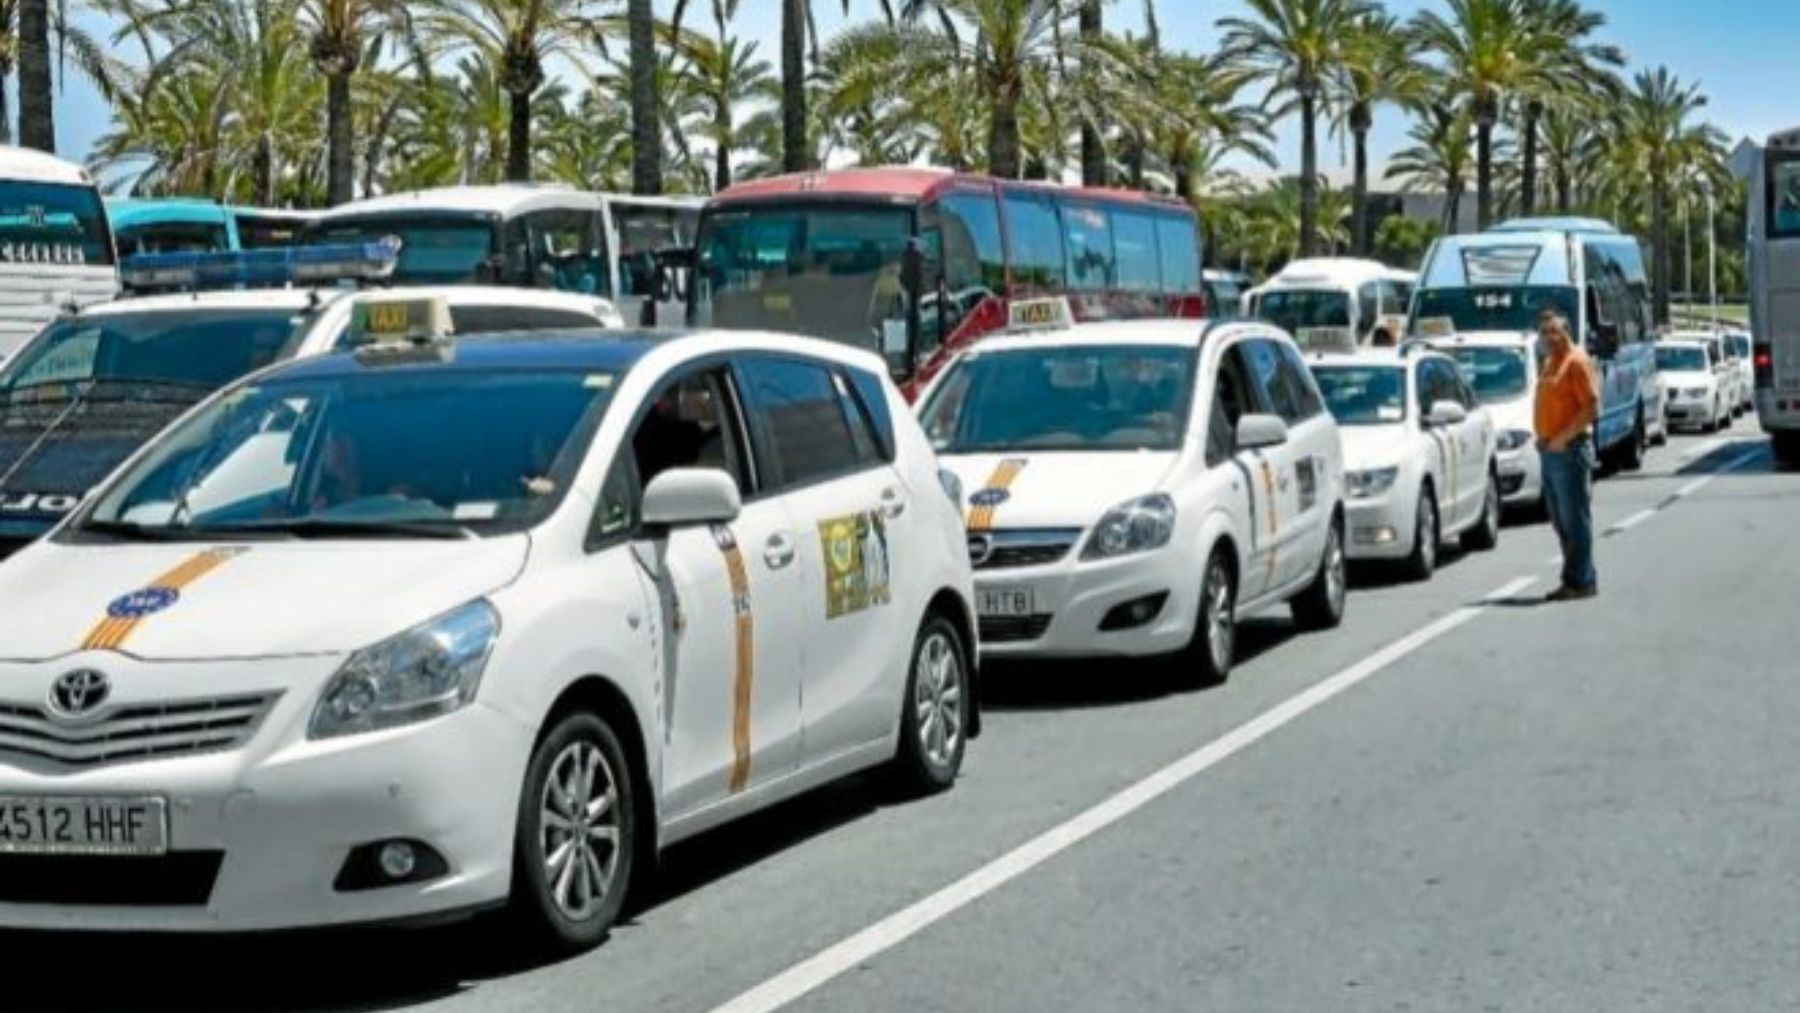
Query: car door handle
x,y
893,504
778,553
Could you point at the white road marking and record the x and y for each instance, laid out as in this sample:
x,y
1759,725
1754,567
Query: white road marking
x,y
1628,523
896,928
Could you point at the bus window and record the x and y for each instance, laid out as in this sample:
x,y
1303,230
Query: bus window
x,y
1036,241
1134,240
1178,242
1088,232
567,251
643,230
1784,199
974,257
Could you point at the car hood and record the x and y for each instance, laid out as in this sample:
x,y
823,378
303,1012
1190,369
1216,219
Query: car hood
x,y
1515,414
191,601
1686,378
1367,447
1056,490
53,451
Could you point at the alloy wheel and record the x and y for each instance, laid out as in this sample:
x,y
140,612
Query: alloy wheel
x,y
938,703
579,821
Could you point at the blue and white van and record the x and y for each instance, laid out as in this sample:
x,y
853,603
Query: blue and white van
x,y
1495,284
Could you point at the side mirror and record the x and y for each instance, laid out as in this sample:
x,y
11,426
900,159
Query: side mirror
x,y
1255,432
686,497
1446,413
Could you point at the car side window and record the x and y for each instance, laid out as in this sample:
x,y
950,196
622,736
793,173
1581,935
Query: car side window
x,y
480,319
1299,382
1231,401
693,423
872,397
1264,358
616,514
803,413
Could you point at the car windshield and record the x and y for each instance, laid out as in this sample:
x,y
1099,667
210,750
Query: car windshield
x,y
1113,398
1497,374
1363,395
1440,312
432,252
194,349
1293,310
827,272
426,452
1678,359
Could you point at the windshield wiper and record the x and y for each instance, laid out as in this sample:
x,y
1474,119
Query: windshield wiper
x,y
324,527
132,531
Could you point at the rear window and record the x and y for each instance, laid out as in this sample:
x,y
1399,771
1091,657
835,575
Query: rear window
x,y
477,319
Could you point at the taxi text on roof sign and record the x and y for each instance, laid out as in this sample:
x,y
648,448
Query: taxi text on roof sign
x,y
1051,314
399,321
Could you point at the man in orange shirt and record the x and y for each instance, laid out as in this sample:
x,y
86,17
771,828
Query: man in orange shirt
x,y
1568,399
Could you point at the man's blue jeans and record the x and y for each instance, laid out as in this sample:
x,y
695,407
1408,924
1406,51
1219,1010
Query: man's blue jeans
x,y
1569,499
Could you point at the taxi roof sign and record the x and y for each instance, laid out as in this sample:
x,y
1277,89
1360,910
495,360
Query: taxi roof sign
x,y
1048,314
1326,340
385,327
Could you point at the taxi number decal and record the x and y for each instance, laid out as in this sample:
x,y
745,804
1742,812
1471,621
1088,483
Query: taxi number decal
x,y
127,612
998,490
857,563
743,655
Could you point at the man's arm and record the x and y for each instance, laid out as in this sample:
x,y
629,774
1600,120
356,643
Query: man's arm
x,y
1589,411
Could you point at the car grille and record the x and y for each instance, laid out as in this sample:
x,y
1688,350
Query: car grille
x,y
177,879
1013,629
132,731
1007,550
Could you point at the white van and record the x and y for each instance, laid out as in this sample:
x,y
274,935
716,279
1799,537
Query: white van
x,y
1325,302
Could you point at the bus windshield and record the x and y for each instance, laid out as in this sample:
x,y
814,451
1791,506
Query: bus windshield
x,y
53,224
440,251
829,271
1296,309
1440,312
1114,398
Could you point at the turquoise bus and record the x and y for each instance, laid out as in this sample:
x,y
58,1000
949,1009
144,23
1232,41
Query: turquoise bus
x,y
171,225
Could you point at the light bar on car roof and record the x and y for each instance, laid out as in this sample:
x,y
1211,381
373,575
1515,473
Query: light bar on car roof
x,y
299,265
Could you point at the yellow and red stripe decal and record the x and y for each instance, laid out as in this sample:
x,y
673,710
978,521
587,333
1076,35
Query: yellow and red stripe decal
x,y
120,621
1268,477
743,648
988,498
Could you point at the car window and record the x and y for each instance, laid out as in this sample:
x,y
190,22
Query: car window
x,y
1232,400
1298,381
1264,358
873,397
484,319
616,514
693,423
802,412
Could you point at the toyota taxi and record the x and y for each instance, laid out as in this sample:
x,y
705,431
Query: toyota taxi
x,y
1501,367
93,386
1133,489
1419,455
435,626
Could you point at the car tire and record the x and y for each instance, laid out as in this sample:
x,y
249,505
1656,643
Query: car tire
x,y
1211,650
579,777
1786,449
1631,455
1428,533
1321,605
1485,535
934,715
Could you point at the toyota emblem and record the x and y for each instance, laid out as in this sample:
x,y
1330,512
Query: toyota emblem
x,y
79,693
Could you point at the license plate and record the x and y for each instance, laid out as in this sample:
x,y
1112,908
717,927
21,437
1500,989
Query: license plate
x,y
1007,601
83,826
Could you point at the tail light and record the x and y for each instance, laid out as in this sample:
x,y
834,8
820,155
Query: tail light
x,y
1764,360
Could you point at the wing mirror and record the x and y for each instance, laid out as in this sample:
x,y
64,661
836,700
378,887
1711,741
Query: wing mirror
x,y
688,497
1254,432
1446,413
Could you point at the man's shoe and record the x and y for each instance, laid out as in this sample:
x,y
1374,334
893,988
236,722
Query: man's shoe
x,y
1567,593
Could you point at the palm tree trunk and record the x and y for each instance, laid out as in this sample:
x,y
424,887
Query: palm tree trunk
x,y
1453,205
1528,146
1484,172
1309,175
1659,238
262,171
646,126
1003,132
722,157
340,187
794,154
1565,190
1093,148
518,138
1359,186
37,115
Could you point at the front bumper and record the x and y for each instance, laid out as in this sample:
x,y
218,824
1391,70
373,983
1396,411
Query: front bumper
x,y
1701,411
1382,528
1521,476
280,815
1072,598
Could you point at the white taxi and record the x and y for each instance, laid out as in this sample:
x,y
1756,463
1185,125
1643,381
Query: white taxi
x,y
1693,373
1133,489
1501,368
430,627
1419,453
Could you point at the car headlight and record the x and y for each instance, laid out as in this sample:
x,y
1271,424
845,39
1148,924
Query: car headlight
x,y
430,670
1370,482
1513,439
1137,526
952,486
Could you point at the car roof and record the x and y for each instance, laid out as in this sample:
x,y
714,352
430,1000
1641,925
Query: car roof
x,y
1182,332
26,164
1682,341
1367,357
1483,339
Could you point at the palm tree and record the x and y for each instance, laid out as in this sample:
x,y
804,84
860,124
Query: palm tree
x,y
1655,139
343,34
1296,46
1276,221
37,117
1379,65
1490,52
1574,73
86,55
1438,159
1092,24
646,126
725,75
1567,140
794,148
1195,121
517,38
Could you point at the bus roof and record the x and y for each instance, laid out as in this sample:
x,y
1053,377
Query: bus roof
x,y
917,183
1331,271
275,214
503,199
1556,224
37,167
129,212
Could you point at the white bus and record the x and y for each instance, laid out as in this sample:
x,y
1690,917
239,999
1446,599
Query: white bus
x,y
529,235
56,248
1327,301
1773,218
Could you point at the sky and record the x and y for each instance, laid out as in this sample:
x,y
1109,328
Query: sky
x,y
1733,48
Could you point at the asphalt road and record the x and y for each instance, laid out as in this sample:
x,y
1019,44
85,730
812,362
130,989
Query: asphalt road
x,y
1456,801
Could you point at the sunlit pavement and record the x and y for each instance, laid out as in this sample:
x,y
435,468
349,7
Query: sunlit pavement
x,y
1551,807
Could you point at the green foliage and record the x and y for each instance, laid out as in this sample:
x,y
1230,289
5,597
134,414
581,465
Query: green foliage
x,y
1401,241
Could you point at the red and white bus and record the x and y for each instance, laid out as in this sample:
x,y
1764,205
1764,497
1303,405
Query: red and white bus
x,y
916,264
